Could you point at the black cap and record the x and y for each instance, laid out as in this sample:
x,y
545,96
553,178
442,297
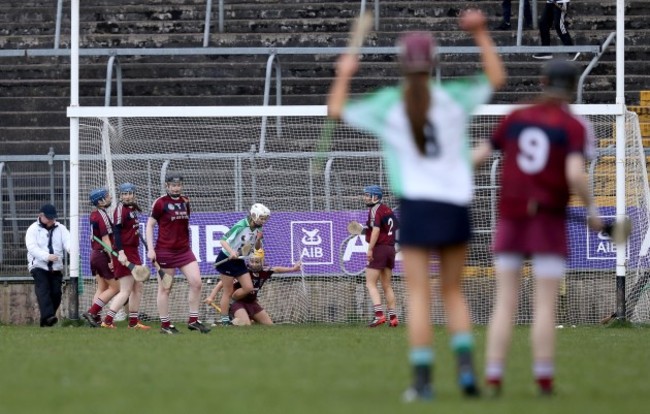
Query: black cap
x,y
49,211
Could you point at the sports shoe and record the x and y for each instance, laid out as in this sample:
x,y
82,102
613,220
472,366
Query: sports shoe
x,y
493,390
139,326
467,382
393,323
546,393
504,26
376,321
198,326
108,325
412,394
90,318
170,331
51,321
226,322
543,56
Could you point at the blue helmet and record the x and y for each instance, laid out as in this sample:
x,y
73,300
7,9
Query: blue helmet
x,y
127,188
374,190
97,195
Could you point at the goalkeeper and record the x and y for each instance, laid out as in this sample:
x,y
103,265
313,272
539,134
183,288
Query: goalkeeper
x,y
247,309
382,226
242,237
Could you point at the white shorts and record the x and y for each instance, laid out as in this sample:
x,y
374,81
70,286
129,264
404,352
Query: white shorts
x,y
545,266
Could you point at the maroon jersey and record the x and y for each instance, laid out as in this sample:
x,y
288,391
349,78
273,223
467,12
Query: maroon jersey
x,y
100,225
258,279
535,142
380,215
125,218
173,217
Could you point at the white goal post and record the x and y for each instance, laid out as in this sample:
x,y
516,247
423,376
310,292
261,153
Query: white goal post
x,y
314,195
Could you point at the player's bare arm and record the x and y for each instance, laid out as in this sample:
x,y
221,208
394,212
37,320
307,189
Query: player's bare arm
x,y
374,236
282,269
151,222
232,254
475,22
215,291
577,179
481,153
346,66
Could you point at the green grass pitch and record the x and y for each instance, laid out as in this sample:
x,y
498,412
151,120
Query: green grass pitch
x,y
300,369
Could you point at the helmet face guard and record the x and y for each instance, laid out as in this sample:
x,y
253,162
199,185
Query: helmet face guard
x,y
256,260
371,191
259,214
127,193
174,184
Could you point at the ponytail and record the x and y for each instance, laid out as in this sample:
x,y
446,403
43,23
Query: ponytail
x,y
416,101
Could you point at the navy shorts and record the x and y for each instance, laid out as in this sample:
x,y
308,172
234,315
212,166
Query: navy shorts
x,y
233,268
425,223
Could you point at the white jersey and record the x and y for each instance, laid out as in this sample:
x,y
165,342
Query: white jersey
x,y
444,173
240,234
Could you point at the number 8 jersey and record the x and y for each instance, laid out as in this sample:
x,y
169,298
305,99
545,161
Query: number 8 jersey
x,y
444,173
535,142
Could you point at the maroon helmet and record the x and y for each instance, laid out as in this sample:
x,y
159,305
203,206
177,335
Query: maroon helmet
x,y
417,51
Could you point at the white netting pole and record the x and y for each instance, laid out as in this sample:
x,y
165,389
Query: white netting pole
x,y
74,159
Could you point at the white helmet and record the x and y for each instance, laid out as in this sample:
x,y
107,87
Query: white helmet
x,y
259,211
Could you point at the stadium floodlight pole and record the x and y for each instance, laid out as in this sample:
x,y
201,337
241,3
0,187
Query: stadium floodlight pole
x,y
621,249
74,161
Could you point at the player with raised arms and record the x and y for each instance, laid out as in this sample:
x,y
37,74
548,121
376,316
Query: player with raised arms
x,y
127,243
101,262
242,236
382,225
544,148
423,128
172,251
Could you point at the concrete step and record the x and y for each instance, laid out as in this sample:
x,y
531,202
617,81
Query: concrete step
x,y
209,86
289,39
128,24
290,69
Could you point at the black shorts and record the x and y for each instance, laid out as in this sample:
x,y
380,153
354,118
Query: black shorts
x,y
433,224
234,268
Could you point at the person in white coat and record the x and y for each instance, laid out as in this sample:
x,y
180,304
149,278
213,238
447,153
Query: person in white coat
x,y
46,241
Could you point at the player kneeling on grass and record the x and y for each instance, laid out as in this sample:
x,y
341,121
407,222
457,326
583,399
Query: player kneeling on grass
x,y
247,309
382,224
235,245
127,244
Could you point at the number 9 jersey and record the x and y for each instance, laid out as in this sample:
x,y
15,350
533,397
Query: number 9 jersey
x,y
535,142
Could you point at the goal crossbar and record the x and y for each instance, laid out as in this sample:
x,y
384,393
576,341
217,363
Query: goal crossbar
x,y
299,110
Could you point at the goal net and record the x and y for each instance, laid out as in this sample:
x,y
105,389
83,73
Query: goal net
x,y
232,157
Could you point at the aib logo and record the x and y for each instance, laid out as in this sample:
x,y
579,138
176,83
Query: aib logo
x,y
312,242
